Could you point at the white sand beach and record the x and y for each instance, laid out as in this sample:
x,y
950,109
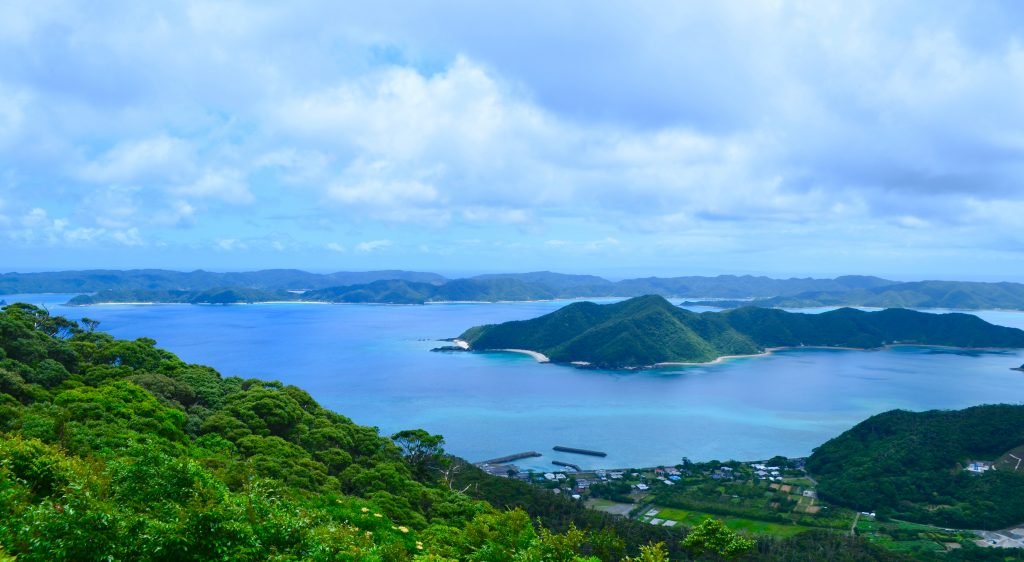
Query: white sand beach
x,y
540,357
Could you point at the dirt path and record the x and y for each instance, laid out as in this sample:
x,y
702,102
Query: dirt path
x,y
853,528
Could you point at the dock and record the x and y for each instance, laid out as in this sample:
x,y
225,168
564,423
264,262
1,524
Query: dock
x,y
562,449
575,467
510,458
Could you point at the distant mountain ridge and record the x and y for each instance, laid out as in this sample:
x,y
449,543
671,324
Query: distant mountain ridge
x,y
649,330
412,287
199,280
964,295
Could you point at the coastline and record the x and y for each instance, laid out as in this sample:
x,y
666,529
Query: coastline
x,y
541,358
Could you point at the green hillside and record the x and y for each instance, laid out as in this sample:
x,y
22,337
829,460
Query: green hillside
x,y
646,330
910,466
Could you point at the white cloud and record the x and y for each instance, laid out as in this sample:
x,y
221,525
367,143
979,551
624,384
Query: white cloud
x,y
225,185
722,120
383,193
335,247
230,244
161,157
373,245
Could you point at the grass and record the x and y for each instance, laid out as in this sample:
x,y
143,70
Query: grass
x,y
750,526
1008,463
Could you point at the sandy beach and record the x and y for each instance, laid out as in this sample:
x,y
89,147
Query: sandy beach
x,y
540,357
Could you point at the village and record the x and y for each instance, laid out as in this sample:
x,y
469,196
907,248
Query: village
x,y
770,497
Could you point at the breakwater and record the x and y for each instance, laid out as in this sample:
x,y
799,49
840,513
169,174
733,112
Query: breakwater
x,y
562,449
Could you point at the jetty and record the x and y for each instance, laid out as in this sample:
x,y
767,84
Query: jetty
x,y
510,458
575,467
562,449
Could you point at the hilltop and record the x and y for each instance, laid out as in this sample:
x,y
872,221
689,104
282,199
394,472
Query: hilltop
x,y
648,330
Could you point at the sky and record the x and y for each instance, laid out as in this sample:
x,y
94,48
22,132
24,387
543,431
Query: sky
x,y
615,138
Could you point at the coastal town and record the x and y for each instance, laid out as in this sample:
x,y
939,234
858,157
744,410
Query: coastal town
x,y
769,497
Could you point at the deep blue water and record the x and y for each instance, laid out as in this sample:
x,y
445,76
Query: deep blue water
x,y
371,363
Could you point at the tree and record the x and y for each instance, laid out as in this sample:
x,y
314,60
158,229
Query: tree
x,y
421,450
711,535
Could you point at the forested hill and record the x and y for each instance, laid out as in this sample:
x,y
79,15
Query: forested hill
x,y
961,295
541,284
118,450
209,296
644,331
911,466
90,281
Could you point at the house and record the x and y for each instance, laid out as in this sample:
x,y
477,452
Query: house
x,y
810,494
642,487
979,467
549,476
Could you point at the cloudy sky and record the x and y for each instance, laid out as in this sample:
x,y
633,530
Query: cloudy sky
x,y
780,138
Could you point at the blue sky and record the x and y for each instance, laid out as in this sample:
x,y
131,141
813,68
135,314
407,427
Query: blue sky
x,y
779,138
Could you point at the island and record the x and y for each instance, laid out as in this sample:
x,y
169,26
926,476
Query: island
x,y
650,331
960,295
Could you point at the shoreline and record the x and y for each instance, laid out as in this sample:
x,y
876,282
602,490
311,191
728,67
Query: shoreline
x,y
541,358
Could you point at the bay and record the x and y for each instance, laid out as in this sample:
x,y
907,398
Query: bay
x,y
372,363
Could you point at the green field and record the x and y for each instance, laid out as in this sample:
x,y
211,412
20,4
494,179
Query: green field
x,y
750,526
905,536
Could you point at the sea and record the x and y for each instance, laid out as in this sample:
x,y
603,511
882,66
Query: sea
x,y
373,364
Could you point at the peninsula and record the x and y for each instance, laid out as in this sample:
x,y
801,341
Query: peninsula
x,y
647,331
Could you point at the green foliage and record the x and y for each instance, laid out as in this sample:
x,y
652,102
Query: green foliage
x,y
647,330
711,535
910,466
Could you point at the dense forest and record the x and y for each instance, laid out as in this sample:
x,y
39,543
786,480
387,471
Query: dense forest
x,y
645,331
910,466
117,450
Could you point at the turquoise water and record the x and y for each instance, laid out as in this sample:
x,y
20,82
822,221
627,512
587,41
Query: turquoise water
x,y
372,363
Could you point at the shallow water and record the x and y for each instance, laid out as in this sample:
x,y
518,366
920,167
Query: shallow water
x,y
372,363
